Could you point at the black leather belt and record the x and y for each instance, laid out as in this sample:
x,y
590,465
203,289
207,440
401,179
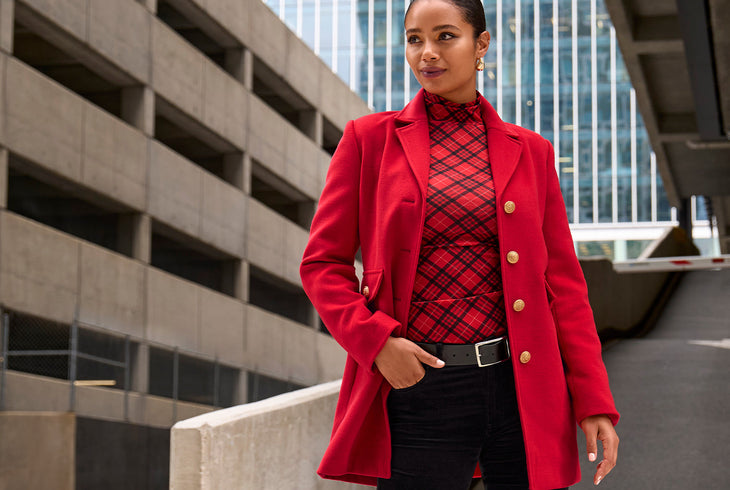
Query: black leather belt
x,y
482,354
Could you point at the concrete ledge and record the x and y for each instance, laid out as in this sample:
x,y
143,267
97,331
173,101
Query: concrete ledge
x,y
274,443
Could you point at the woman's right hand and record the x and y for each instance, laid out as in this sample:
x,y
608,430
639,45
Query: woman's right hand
x,y
400,361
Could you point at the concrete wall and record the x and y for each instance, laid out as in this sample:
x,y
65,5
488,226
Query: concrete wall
x,y
628,303
274,443
37,450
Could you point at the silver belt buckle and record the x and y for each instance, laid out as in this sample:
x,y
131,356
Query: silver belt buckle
x,y
490,342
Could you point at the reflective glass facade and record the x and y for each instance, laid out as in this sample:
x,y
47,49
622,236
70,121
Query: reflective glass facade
x,y
553,66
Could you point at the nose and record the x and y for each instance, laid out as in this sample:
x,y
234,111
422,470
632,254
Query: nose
x,y
429,52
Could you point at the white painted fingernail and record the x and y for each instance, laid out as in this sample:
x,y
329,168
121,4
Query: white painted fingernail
x,y
440,363
599,480
591,456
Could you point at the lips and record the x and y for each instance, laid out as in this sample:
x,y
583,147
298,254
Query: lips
x,y
432,72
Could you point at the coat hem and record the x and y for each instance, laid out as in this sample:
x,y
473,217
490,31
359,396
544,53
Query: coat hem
x,y
352,478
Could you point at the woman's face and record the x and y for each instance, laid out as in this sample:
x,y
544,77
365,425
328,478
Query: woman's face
x,y
441,49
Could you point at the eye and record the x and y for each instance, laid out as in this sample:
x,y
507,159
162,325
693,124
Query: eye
x,y
445,36
412,39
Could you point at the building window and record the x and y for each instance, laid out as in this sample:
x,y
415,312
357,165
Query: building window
x,y
191,379
261,387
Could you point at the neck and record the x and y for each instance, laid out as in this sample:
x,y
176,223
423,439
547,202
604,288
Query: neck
x,y
461,96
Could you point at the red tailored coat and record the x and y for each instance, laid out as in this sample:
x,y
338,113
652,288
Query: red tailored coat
x,y
375,198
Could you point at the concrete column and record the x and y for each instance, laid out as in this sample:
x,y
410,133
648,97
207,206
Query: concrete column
x,y
141,369
306,213
233,169
311,123
235,63
135,236
242,394
138,108
247,62
313,317
246,172
3,178
236,281
7,16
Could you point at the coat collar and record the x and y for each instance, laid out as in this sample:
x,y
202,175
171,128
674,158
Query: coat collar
x,y
411,127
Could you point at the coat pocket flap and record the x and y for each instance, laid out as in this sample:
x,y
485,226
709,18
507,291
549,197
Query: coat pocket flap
x,y
370,284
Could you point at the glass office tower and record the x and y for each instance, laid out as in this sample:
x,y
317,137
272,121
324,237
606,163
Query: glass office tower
x,y
554,67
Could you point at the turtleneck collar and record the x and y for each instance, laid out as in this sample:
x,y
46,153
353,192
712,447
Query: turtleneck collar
x,y
440,109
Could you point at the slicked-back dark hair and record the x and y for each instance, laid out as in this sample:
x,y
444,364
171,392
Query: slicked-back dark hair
x,y
471,10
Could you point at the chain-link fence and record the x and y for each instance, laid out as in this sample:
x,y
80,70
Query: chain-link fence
x,y
87,355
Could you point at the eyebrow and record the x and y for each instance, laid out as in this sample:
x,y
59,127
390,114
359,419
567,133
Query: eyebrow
x,y
436,28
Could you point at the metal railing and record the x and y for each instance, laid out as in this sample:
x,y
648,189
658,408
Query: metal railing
x,y
88,355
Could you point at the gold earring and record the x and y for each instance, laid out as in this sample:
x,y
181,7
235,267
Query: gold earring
x,y
480,64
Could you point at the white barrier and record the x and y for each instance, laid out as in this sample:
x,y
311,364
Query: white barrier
x,y
671,264
273,444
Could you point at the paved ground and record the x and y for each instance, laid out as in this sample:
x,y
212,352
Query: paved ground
x,y
672,388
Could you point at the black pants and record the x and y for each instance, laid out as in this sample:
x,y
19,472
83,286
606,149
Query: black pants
x,y
450,421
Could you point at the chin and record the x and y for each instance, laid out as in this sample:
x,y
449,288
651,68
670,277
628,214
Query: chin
x,y
434,88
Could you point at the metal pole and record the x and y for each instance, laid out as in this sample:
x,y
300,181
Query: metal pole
x,y
685,216
175,379
73,350
4,357
127,376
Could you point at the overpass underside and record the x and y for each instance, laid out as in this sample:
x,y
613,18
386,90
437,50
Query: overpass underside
x,y
676,53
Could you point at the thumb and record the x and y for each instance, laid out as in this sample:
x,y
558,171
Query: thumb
x,y
428,359
591,432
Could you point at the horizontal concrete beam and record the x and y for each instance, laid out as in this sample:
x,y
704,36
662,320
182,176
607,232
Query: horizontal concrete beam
x,y
289,57
274,243
188,198
73,138
283,149
284,349
184,76
28,392
105,36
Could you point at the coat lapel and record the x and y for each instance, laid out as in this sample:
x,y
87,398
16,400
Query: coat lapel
x,y
412,132
504,147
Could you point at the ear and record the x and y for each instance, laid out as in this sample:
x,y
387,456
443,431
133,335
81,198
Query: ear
x,y
483,44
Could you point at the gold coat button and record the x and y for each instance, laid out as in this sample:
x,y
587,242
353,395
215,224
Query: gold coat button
x,y
509,207
366,291
518,305
525,357
513,257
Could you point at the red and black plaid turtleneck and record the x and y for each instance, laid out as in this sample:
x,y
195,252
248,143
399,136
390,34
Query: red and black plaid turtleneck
x,y
457,295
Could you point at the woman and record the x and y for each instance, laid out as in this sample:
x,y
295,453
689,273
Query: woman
x,y
470,340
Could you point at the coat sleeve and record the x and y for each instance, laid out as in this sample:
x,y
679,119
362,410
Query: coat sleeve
x,y
327,269
580,346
